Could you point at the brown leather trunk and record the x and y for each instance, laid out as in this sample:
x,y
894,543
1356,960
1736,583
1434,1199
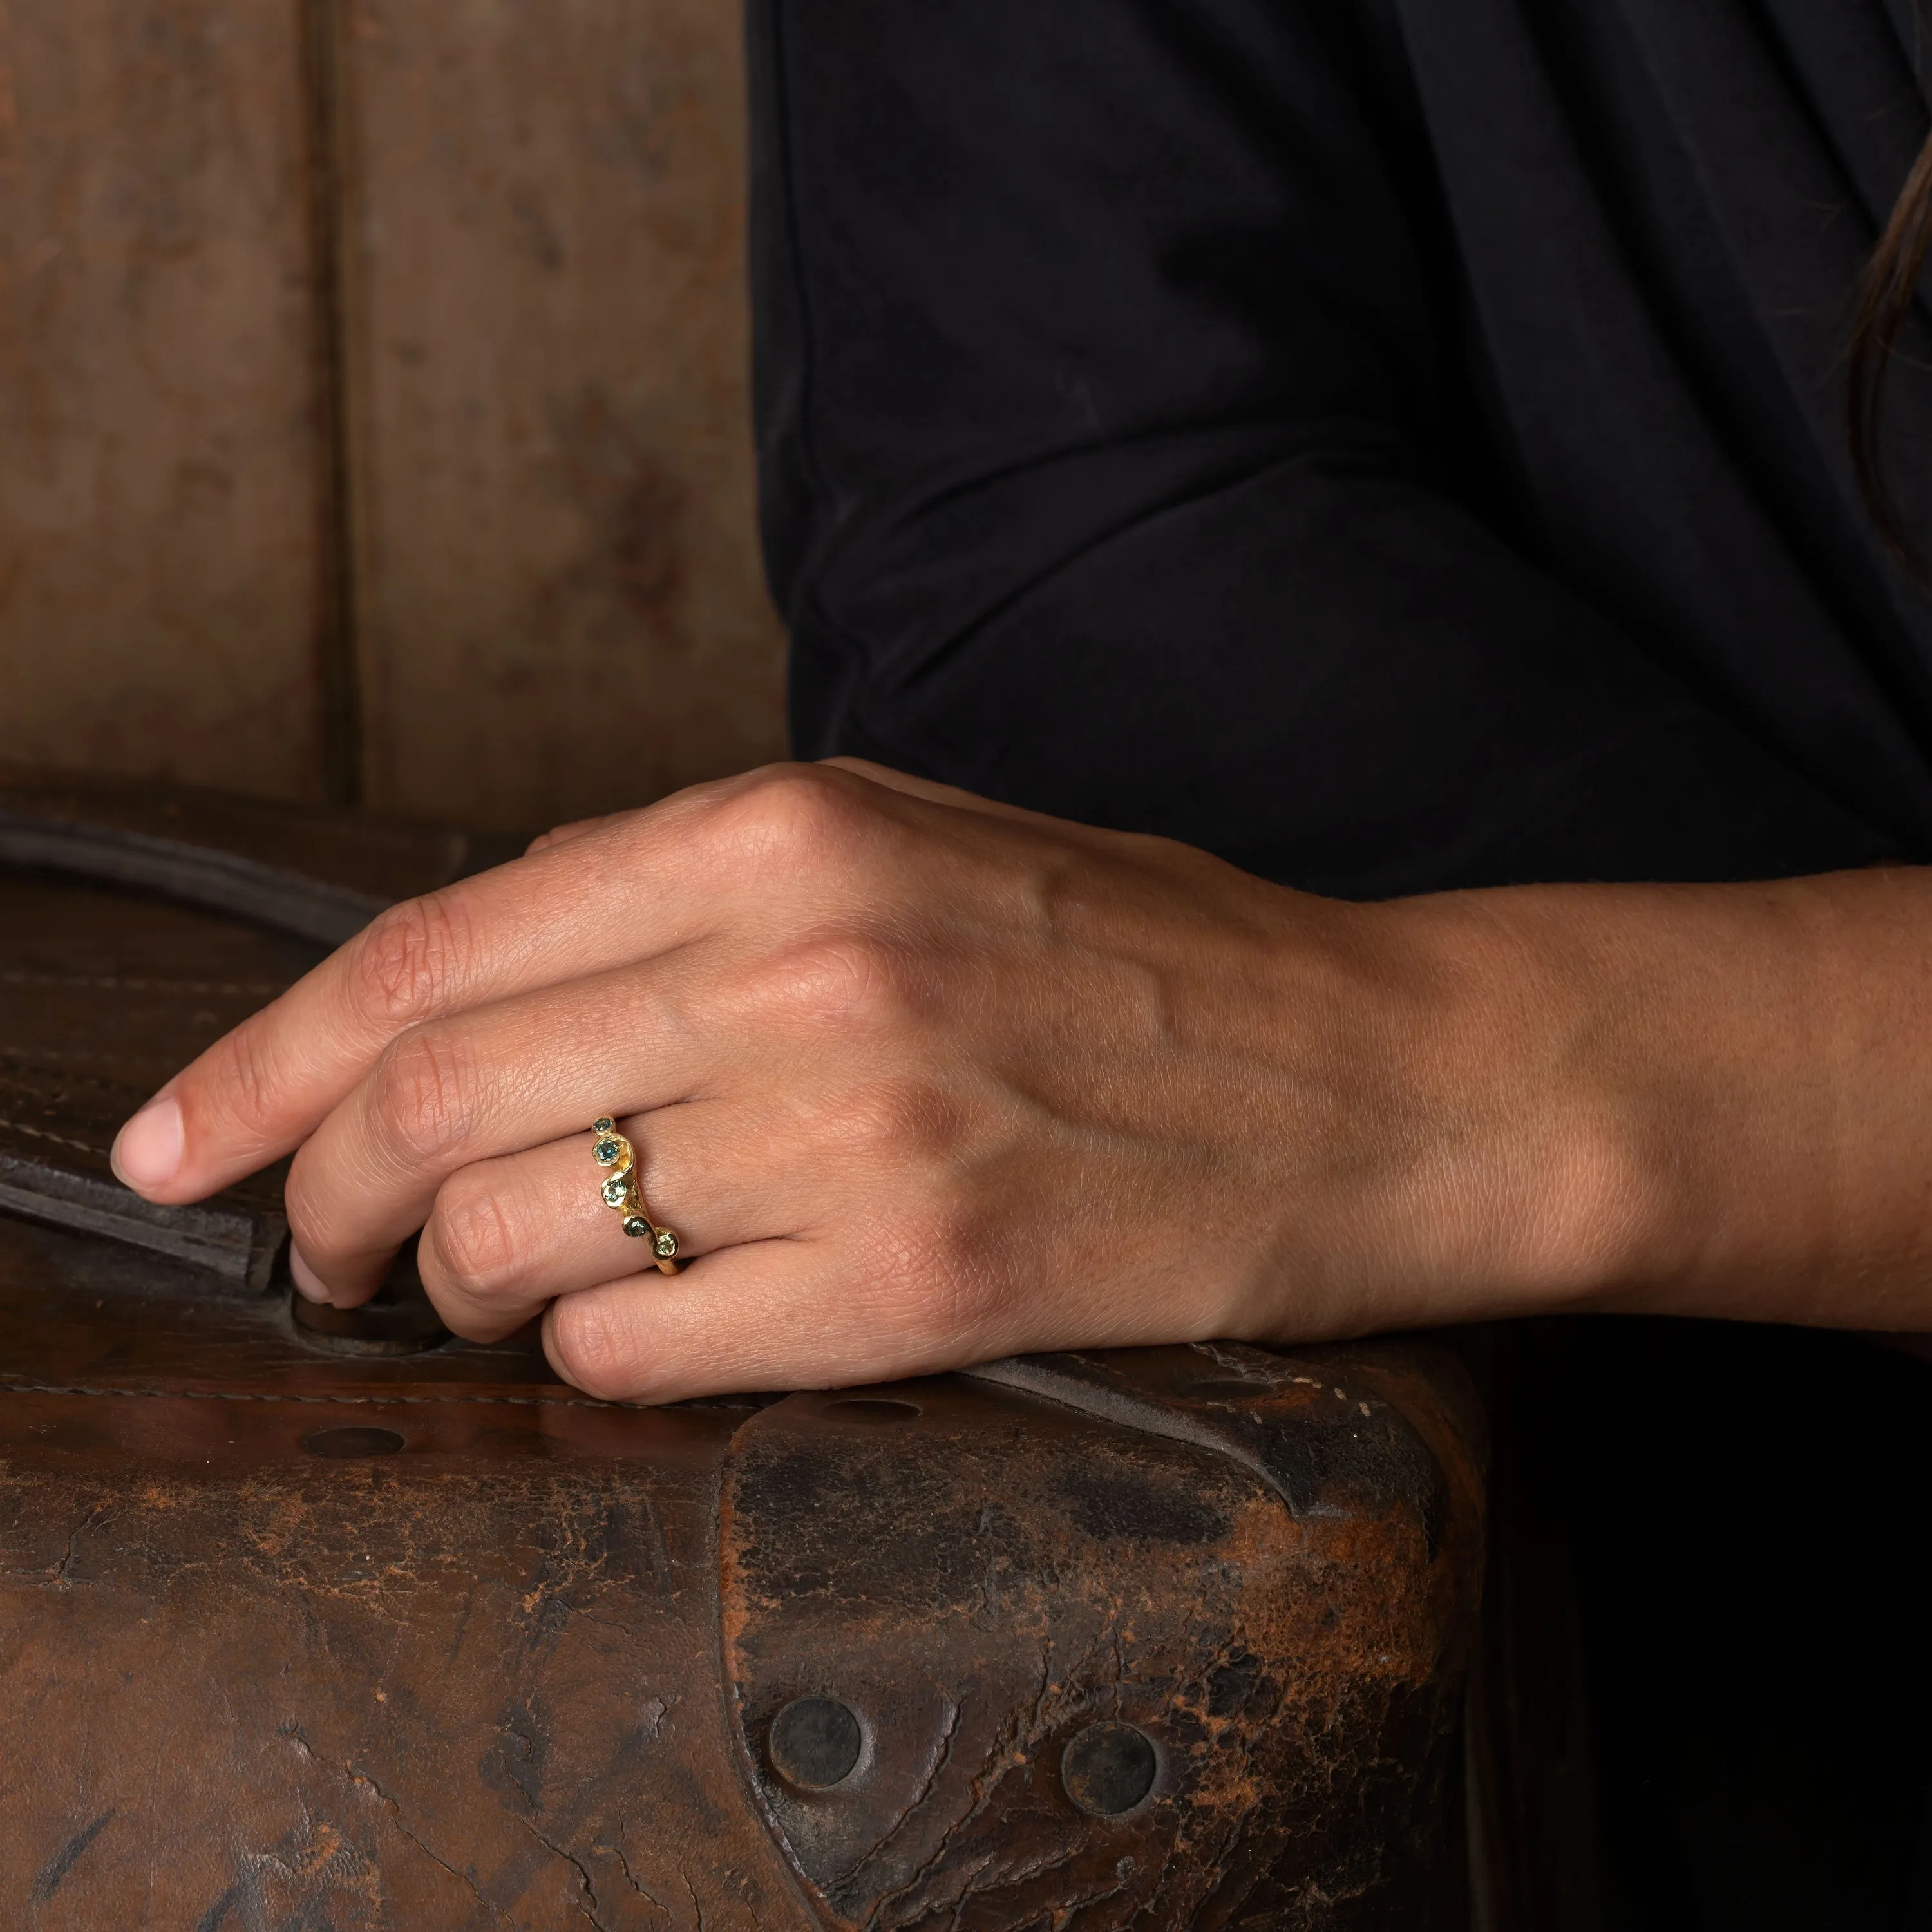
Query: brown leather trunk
x,y
356,1625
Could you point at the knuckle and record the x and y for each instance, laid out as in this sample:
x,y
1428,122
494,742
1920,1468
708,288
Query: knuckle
x,y
592,1349
477,1240
846,981
965,1286
253,1087
973,1297
318,1233
964,1315
939,1286
410,959
426,1093
800,814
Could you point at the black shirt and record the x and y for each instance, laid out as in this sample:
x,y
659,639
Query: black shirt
x,y
1397,444
1392,445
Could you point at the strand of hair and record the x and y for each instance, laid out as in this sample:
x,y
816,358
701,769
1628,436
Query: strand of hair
x,y
1882,301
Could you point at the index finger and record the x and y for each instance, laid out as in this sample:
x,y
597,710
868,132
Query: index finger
x,y
618,894
612,893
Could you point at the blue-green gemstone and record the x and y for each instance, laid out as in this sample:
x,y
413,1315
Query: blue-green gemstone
x,y
608,1153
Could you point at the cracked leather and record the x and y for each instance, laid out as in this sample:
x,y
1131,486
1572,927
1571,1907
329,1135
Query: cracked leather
x,y
520,1669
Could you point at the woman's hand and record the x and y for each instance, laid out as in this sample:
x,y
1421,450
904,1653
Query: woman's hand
x,y
921,1081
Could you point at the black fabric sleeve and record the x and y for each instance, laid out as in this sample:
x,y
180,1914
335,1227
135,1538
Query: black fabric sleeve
x,y
1111,463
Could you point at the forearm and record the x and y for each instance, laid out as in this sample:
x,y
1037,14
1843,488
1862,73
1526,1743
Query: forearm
x,y
1702,1100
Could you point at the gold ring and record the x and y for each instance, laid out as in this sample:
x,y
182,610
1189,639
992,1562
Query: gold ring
x,y
620,1190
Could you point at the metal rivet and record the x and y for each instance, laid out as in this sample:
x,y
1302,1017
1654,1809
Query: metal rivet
x,y
870,1408
815,1742
1108,1767
345,1442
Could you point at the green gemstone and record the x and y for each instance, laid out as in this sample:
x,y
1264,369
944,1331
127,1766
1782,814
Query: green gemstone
x,y
636,1226
608,1153
615,1189
666,1244
606,1126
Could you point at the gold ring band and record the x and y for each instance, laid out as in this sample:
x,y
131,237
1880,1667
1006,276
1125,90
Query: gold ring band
x,y
620,1191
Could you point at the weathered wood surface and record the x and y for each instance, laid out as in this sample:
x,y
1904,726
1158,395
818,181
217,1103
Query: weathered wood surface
x,y
559,599
536,349
157,530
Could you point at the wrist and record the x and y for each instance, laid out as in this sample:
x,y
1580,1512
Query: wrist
x,y
1493,1158
1694,1099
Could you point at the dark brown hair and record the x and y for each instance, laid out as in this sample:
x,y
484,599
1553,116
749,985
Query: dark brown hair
x,y
1883,301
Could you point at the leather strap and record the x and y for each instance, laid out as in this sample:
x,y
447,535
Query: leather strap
x,y
196,875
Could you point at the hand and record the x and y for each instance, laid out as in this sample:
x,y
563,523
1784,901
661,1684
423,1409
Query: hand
x,y
919,1080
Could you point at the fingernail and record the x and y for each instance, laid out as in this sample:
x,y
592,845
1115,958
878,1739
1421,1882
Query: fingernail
x,y
307,1281
148,1150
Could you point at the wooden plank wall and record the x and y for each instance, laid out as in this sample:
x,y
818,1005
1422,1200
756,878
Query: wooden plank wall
x,y
373,420
158,541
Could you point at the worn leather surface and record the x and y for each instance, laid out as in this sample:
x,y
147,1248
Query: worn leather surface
x,y
103,996
105,991
293,1636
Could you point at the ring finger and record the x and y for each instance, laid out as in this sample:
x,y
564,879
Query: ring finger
x,y
506,1235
